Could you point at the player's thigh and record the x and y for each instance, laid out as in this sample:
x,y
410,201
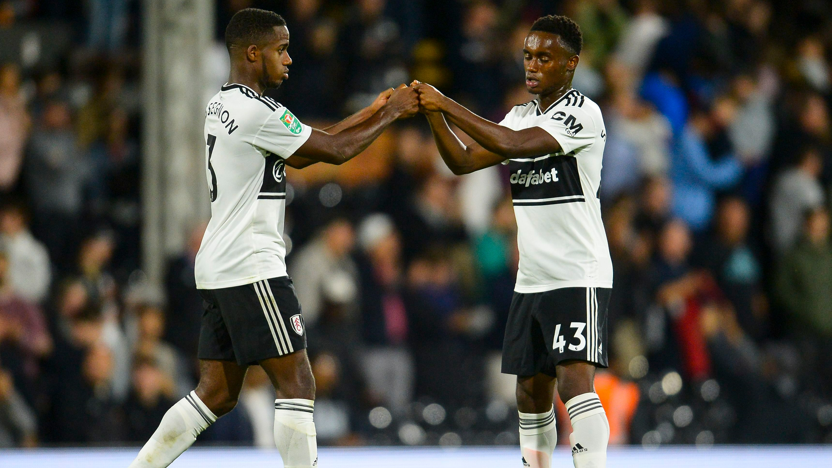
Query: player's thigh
x,y
291,375
220,383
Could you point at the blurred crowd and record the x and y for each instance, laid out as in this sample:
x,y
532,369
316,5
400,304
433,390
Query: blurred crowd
x,y
717,173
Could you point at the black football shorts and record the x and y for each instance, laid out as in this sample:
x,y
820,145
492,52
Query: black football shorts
x,y
251,323
548,328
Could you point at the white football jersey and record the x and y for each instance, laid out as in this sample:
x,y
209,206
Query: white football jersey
x,y
560,234
248,137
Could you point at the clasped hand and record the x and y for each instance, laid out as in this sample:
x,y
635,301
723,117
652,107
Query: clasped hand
x,y
418,97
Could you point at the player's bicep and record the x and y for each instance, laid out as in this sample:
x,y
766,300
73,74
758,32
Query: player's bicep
x,y
481,158
534,142
319,147
298,162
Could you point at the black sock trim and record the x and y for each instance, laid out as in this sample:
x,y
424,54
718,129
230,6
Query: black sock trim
x,y
586,410
198,409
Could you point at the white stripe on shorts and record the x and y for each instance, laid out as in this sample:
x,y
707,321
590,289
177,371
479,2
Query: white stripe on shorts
x,y
269,319
279,317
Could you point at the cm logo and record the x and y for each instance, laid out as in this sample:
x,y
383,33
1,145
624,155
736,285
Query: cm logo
x,y
572,125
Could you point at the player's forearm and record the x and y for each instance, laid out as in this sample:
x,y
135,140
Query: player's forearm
x,y
351,121
350,142
451,148
493,137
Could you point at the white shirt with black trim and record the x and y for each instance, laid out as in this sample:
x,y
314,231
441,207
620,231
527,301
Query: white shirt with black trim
x,y
560,235
248,137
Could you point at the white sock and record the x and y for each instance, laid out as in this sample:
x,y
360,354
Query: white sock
x,y
590,431
538,437
294,432
178,430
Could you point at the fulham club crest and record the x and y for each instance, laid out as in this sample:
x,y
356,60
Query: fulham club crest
x,y
297,323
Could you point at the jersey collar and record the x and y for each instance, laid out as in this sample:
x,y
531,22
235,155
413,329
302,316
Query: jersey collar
x,y
537,102
230,86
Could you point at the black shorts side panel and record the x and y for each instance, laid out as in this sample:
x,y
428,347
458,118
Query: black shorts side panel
x,y
256,322
545,329
214,340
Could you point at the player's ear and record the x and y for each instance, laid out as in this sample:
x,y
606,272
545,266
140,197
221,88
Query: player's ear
x,y
572,63
253,53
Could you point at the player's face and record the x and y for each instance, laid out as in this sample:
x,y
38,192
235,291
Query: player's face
x,y
548,65
275,59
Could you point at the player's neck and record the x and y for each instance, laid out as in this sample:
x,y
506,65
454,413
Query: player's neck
x,y
549,99
246,79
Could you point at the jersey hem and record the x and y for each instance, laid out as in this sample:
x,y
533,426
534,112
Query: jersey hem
x,y
241,281
560,285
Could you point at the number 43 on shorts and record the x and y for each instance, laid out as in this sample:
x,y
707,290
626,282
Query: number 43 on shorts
x,y
559,342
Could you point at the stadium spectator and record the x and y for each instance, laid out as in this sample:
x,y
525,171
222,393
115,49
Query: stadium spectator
x,y
639,137
473,59
371,42
30,272
56,171
431,217
108,24
152,392
18,422
697,174
164,357
640,36
802,288
14,127
795,191
335,401
326,278
24,336
726,254
184,305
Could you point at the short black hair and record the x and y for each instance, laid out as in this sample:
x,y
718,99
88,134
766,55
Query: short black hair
x,y
563,26
251,26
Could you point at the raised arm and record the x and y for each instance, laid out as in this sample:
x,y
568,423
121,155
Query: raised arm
x,y
340,147
495,138
299,162
459,157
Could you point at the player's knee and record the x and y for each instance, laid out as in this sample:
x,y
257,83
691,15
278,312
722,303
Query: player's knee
x,y
574,385
225,406
530,400
305,386
220,402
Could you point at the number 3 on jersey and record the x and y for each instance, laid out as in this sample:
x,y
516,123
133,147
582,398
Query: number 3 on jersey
x,y
211,141
558,342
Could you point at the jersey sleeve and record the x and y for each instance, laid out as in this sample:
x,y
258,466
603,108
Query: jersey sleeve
x,y
506,122
282,133
572,127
